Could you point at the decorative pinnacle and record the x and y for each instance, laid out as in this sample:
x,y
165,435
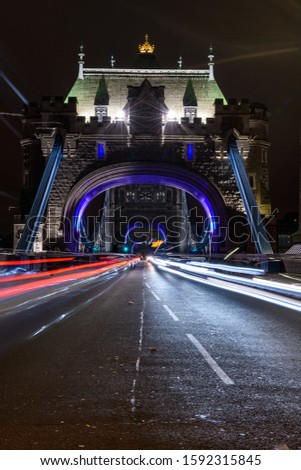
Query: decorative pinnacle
x,y
81,53
146,47
211,63
112,61
210,55
81,62
180,62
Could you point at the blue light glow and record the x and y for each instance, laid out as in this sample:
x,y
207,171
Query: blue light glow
x,y
190,151
101,150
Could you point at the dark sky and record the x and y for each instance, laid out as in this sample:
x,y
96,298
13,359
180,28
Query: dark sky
x,y
257,56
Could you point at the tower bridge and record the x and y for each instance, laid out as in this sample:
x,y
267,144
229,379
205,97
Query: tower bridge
x,y
108,349
149,142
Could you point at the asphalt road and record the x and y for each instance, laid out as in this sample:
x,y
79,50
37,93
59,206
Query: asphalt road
x,y
145,360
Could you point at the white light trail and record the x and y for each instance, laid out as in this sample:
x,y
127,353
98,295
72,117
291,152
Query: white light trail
x,y
229,268
278,285
238,288
76,309
256,283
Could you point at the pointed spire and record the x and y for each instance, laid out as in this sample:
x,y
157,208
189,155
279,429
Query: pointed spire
x,y
211,63
180,62
189,98
102,95
81,62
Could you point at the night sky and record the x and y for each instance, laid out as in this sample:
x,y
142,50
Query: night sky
x,y
257,56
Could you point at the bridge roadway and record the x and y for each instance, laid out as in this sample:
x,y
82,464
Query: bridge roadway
x,y
144,360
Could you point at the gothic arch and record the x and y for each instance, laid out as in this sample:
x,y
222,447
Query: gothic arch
x,y
111,176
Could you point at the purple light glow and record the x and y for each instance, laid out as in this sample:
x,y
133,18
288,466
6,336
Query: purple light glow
x,y
160,229
147,179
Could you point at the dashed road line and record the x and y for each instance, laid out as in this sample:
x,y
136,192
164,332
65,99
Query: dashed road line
x,y
212,363
173,315
155,295
217,369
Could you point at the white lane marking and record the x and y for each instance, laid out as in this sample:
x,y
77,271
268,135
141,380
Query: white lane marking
x,y
222,375
147,285
155,295
133,390
173,315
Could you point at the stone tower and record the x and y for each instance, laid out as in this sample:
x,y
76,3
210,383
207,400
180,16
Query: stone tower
x,y
145,115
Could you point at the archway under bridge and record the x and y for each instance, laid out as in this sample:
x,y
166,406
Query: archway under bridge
x,y
128,173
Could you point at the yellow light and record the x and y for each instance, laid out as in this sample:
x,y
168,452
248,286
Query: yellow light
x,y
146,47
157,243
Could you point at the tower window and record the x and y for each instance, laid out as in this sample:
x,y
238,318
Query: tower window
x,y
252,180
160,196
130,196
145,194
264,157
190,112
101,112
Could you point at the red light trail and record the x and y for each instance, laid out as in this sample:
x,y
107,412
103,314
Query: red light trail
x,y
20,289
21,277
33,261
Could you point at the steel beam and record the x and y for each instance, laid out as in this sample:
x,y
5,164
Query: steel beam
x,y
258,230
37,212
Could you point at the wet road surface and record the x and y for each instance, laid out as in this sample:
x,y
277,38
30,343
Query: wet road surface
x,y
143,360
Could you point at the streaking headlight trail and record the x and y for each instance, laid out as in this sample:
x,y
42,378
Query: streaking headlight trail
x,y
237,284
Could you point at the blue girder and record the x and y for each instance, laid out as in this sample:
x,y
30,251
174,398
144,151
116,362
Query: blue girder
x,y
37,212
258,230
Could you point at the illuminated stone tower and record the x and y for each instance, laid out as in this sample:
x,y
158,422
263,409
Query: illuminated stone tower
x,y
157,119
